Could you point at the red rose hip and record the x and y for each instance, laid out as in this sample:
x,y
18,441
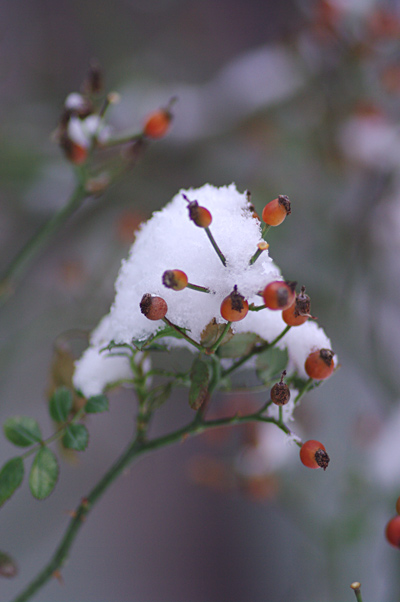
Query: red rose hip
x,y
313,454
319,364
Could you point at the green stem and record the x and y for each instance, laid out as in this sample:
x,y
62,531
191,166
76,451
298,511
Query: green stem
x,y
196,287
256,351
257,254
184,335
307,386
357,591
218,342
253,307
216,247
38,240
136,449
55,436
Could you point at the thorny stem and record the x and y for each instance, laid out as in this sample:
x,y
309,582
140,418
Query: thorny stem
x,y
137,448
216,247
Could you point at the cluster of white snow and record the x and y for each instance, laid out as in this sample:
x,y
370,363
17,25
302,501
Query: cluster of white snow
x,y
169,240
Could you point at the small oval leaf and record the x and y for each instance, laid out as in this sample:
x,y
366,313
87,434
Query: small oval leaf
x,y
44,473
96,404
239,345
11,476
22,431
8,566
60,404
76,437
199,376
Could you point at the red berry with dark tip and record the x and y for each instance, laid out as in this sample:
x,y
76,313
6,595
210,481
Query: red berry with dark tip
x,y
279,294
276,211
313,454
319,364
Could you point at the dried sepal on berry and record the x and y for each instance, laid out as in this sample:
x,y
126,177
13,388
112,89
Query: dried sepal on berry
x,y
276,211
234,307
177,280
313,454
319,365
279,294
153,308
280,392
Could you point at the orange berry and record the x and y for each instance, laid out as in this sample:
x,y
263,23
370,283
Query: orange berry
x,y
313,455
157,124
175,279
289,317
392,532
319,364
199,215
154,308
234,307
279,294
275,211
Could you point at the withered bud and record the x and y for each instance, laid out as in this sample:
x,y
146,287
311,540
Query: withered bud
x,y
283,200
154,308
322,458
263,246
280,393
327,356
302,304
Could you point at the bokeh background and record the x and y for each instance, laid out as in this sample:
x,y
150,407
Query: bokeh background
x,y
299,98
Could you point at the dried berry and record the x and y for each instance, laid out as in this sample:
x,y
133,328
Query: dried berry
x,y
280,392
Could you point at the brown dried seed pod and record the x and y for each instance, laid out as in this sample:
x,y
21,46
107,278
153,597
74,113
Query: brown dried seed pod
x,y
280,393
302,304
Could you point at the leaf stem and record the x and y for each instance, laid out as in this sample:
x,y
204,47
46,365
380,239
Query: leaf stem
x,y
218,342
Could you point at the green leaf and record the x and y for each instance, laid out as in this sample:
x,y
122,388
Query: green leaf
x,y
160,395
11,476
60,404
44,473
22,431
199,376
76,437
8,566
212,332
239,345
96,404
270,364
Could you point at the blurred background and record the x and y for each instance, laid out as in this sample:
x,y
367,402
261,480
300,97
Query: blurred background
x,y
299,98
